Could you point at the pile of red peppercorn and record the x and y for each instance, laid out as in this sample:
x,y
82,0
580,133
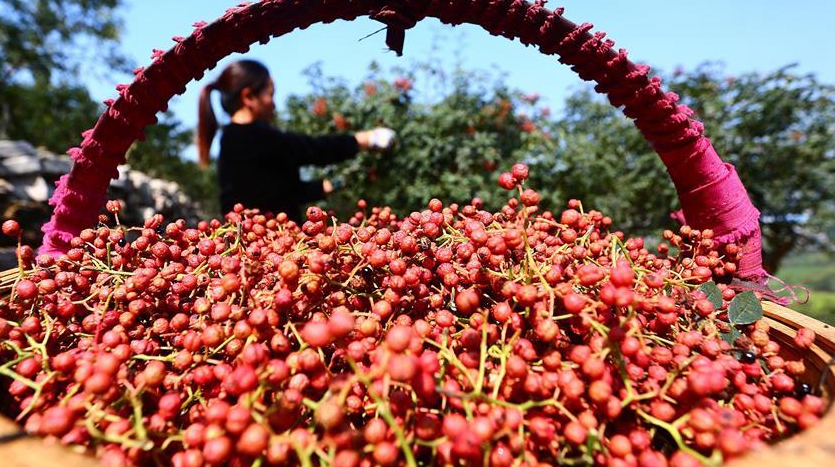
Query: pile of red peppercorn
x,y
453,336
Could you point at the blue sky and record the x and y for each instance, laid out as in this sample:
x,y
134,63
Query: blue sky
x,y
748,35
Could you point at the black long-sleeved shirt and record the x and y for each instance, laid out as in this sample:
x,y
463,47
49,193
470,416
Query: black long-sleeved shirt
x,y
259,166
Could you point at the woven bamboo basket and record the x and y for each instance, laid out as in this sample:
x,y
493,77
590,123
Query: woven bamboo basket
x,y
81,193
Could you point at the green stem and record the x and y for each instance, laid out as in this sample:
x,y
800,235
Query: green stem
x,y
676,435
383,410
502,363
482,358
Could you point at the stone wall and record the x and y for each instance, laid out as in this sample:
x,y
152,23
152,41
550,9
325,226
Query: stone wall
x,y
27,180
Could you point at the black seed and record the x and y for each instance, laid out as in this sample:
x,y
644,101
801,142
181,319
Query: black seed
x,y
802,390
122,242
748,357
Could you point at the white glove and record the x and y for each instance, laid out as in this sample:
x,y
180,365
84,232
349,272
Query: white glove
x,y
381,138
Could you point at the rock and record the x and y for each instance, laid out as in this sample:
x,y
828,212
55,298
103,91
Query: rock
x,y
147,213
21,187
55,166
6,188
8,258
157,185
27,178
120,185
137,178
16,166
123,182
145,195
15,148
38,190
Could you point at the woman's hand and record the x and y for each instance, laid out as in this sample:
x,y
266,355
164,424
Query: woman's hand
x,y
378,139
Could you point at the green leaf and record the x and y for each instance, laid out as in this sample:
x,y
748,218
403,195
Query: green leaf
x,y
731,336
712,293
745,308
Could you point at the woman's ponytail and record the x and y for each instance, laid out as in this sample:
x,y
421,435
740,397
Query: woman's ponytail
x,y
206,124
234,78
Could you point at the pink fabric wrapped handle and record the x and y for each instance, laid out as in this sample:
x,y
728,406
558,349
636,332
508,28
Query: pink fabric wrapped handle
x,y
710,191
712,196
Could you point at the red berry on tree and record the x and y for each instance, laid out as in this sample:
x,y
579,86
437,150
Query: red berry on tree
x,y
520,172
11,228
507,181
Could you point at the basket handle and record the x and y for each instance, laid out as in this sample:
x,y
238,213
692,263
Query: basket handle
x,y
711,193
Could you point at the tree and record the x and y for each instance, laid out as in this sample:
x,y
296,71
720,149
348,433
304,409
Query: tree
x,y
777,128
36,35
601,159
39,42
43,44
449,148
160,155
52,116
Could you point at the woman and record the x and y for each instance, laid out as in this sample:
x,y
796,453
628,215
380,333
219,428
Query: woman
x,y
259,164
